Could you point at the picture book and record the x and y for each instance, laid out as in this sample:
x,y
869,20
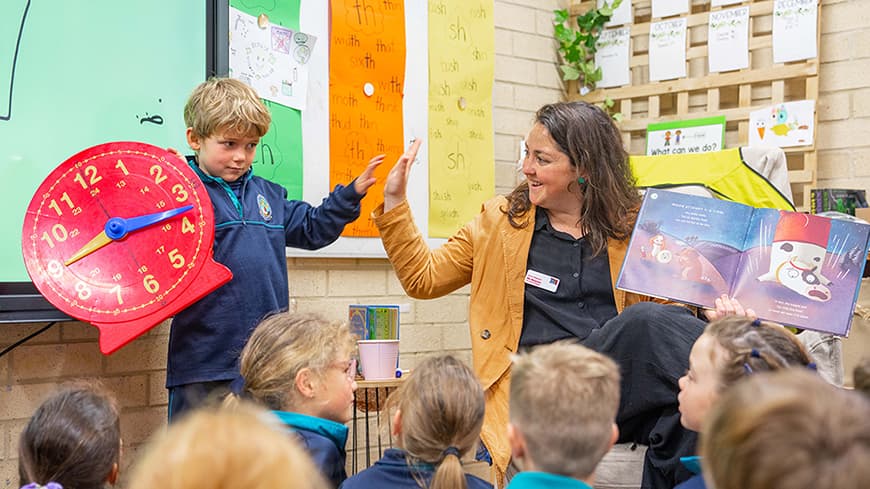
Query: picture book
x,y
792,268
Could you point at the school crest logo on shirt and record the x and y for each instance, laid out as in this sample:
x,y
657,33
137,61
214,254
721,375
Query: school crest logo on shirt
x,y
265,208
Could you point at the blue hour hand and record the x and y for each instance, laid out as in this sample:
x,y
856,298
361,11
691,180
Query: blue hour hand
x,y
118,227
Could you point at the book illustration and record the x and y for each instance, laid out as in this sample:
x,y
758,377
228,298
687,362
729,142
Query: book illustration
x,y
791,268
796,254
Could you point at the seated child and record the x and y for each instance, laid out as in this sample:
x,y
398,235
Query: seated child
x,y
437,420
230,448
72,440
787,429
563,403
730,349
300,367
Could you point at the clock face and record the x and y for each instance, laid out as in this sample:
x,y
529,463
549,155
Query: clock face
x,y
80,260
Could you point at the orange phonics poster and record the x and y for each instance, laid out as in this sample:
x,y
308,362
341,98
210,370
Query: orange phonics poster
x,y
366,82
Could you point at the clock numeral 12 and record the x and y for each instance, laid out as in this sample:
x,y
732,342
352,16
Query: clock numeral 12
x,y
91,173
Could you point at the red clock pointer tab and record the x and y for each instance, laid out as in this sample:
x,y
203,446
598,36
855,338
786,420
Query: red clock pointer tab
x,y
115,335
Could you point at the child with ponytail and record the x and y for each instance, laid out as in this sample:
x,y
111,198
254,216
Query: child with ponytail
x,y
438,414
730,349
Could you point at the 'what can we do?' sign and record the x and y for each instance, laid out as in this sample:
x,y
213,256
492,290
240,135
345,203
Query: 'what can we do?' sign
x,y
685,137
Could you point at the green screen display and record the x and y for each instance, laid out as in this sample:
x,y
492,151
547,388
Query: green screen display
x,y
74,74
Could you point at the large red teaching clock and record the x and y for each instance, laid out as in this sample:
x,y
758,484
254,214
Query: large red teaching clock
x,y
120,235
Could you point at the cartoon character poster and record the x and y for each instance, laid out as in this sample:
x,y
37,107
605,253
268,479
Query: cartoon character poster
x,y
792,268
783,125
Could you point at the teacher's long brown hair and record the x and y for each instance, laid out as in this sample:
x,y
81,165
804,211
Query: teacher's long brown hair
x,y
593,144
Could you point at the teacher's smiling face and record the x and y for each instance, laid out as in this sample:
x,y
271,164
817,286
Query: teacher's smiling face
x,y
551,176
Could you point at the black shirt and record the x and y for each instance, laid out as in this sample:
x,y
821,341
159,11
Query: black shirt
x,y
583,299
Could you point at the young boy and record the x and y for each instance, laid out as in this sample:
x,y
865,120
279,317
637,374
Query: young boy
x,y
563,403
254,222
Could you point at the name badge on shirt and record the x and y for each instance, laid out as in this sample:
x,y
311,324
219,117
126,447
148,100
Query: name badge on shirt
x,y
541,281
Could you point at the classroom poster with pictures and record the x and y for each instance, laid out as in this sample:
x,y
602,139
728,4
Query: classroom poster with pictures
x,y
621,14
270,58
667,49
686,137
728,40
783,125
667,8
794,30
613,57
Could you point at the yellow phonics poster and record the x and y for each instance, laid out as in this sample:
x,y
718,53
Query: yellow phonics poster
x,y
461,154
366,81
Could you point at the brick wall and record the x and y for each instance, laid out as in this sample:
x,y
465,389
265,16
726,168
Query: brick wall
x,y
843,136
526,78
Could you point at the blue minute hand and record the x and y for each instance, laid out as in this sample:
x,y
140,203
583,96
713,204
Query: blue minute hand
x,y
118,227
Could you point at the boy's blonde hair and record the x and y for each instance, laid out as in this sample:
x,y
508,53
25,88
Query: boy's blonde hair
x,y
226,104
563,399
281,346
442,405
753,346
788,428
243,447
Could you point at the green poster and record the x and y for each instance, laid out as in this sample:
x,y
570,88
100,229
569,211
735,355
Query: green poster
x,y
279,156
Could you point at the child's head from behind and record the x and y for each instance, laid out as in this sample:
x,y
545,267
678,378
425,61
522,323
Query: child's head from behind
x,y
729,350
73,439
302,363
243,447
788,428
225,121
563,403
439,413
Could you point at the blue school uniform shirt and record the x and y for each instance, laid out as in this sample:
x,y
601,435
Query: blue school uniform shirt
x,y
393,472
253,226
323,439
697,480
544,480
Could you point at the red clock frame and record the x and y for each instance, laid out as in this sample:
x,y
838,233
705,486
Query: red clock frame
x,y
120,235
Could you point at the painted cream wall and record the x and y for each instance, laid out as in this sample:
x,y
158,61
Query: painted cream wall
x,y
526,77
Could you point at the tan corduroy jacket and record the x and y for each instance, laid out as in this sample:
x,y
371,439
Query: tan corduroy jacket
x,y
491,255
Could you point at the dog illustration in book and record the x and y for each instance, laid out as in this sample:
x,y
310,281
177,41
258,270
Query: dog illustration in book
x,y
796,255
691,266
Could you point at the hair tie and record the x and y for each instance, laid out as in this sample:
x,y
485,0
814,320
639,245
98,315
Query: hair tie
x,y
812,366
747,369
238,387
756,322
48,485
451,450
754,353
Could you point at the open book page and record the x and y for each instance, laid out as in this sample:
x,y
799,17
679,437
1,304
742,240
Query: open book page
x,y
685,247
802,270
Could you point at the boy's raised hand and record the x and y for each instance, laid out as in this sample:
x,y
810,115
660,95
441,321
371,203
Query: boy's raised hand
x,y
396,185
367,178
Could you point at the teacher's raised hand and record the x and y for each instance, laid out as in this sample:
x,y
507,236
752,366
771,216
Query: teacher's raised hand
x,y
396,185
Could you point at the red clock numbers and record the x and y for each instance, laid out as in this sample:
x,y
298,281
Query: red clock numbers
x,y
120,235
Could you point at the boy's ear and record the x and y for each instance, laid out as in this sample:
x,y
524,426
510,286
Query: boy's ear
x,y
192,139
305,382
396,425
517,441
614,435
